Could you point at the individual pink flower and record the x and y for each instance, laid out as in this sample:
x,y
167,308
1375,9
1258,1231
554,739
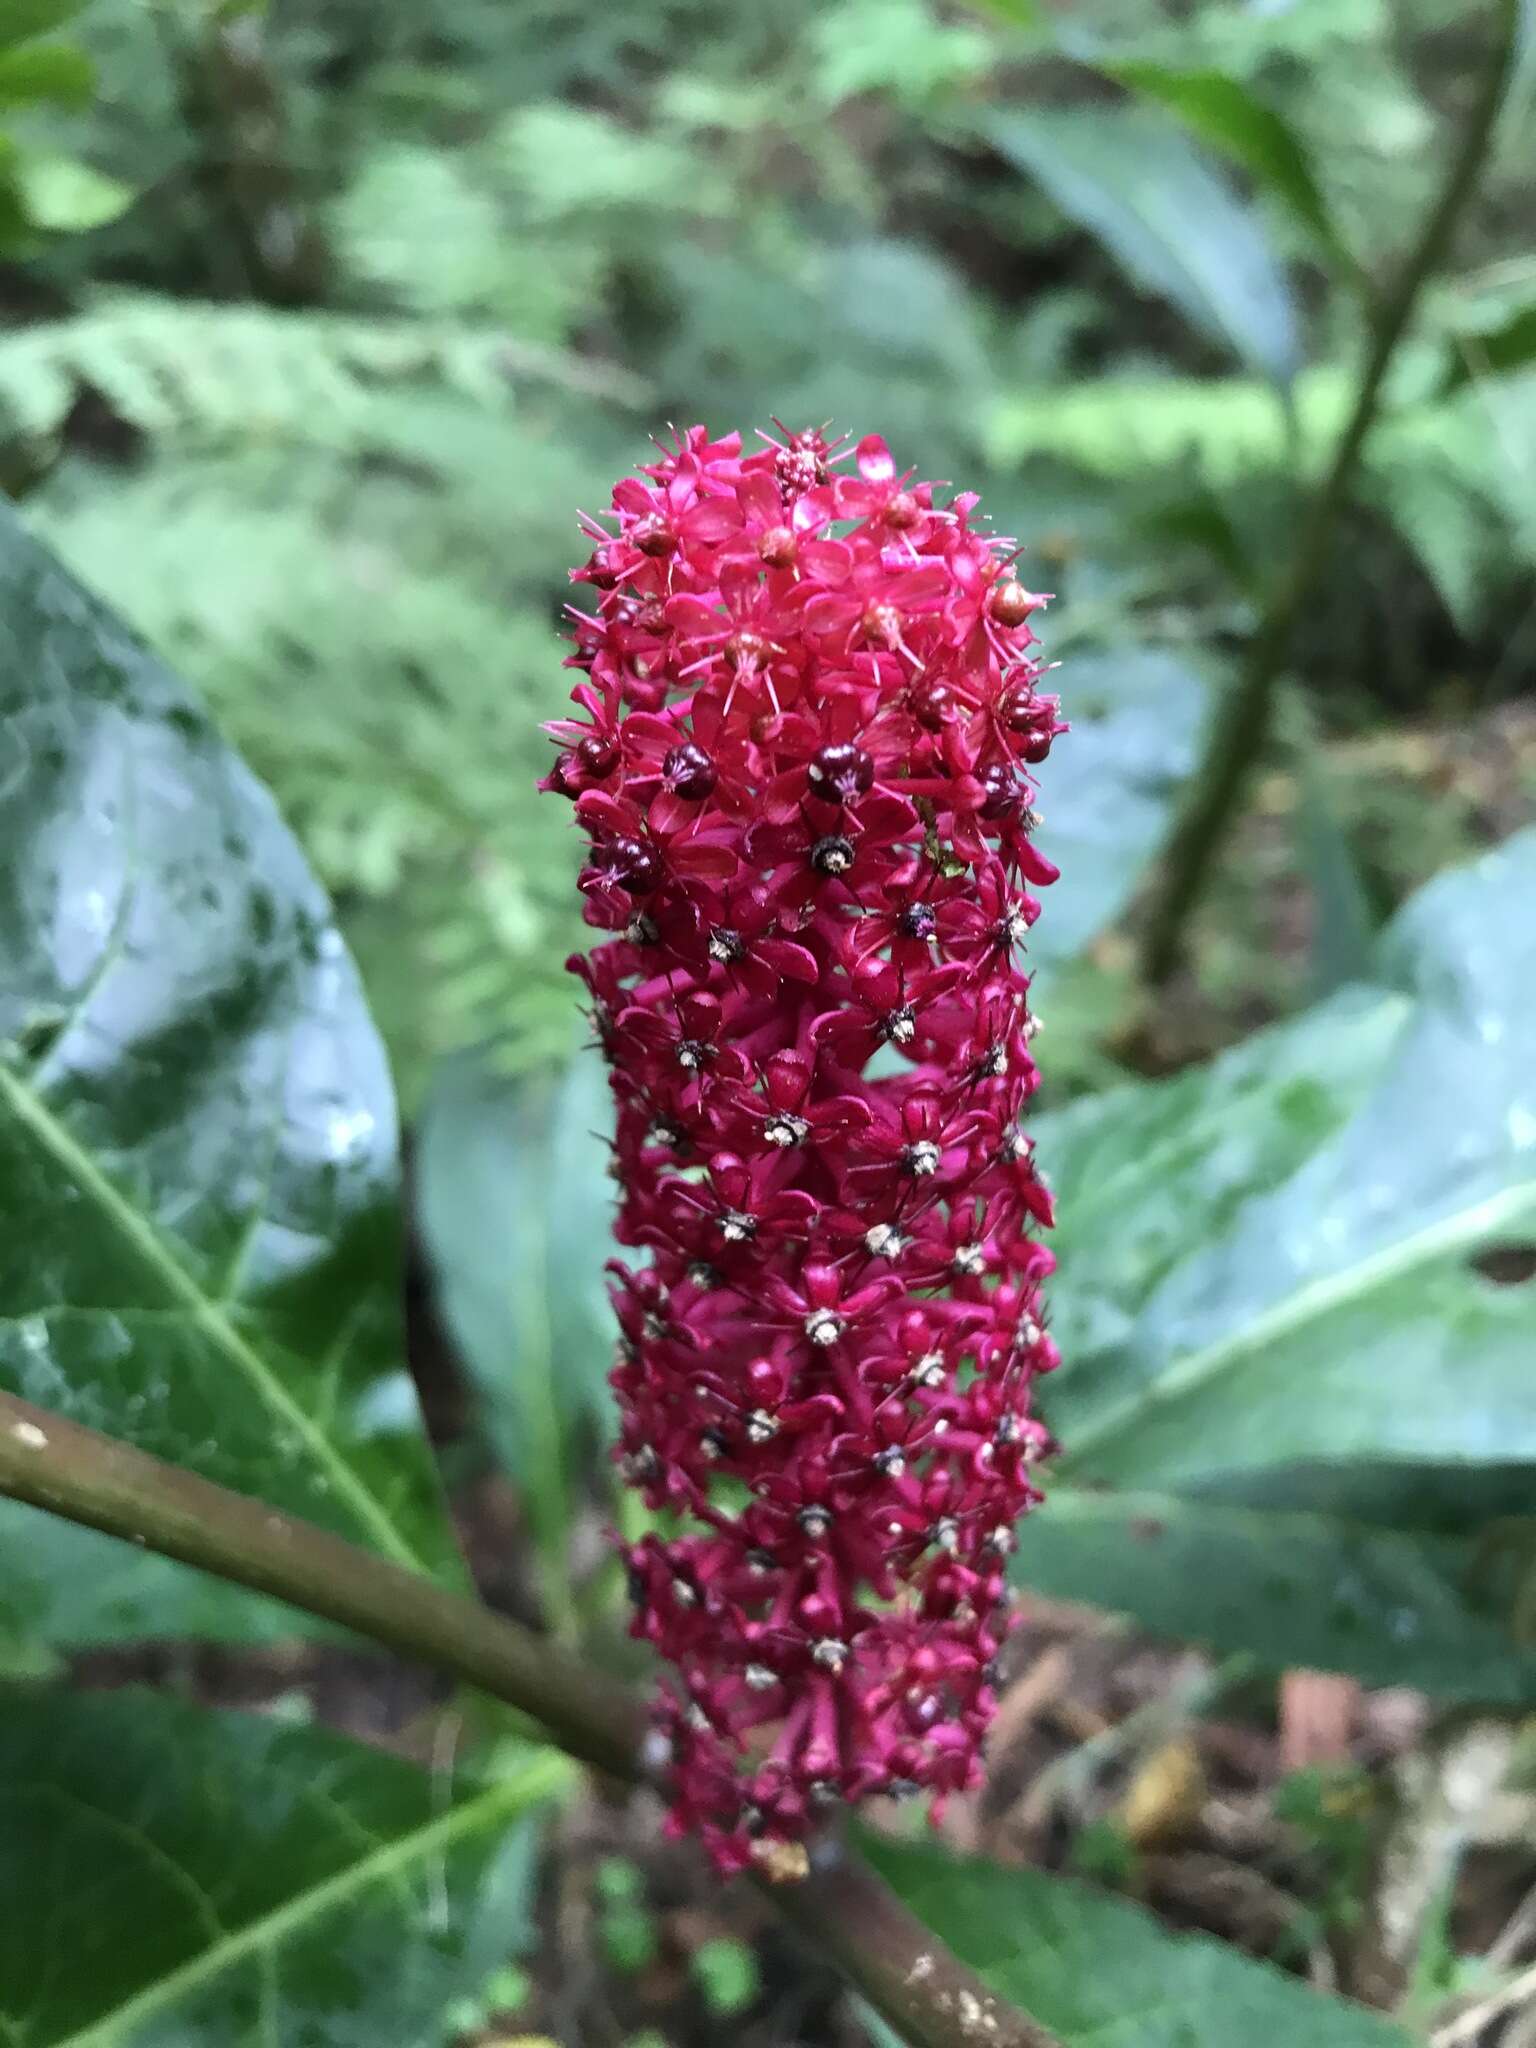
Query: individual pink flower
x,y
801,755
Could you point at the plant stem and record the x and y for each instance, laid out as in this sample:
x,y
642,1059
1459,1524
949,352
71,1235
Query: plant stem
x,y
73,1472
907,1975
844,1908
1242,719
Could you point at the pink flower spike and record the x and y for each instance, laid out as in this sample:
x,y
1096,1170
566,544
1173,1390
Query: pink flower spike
x,y
801,760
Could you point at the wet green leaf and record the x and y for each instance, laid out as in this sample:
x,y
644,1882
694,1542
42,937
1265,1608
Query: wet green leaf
x,y
174,1878
1096,1970
1337,1314
1295,1286
198,1173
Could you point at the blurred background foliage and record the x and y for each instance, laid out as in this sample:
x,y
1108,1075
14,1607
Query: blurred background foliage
x,y
370,298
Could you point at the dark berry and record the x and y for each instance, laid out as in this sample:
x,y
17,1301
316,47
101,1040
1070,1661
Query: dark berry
x,y
840,772
932,702
1004,792
689,772
633,866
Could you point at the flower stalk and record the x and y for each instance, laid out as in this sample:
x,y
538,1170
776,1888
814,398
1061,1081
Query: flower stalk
x,y
909,1976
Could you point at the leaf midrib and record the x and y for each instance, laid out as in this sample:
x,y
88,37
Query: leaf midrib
x,y
1306,1303
539,1779
208,1315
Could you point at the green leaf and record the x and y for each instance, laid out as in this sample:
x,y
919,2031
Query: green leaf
x,y
1098,1971
1229,117
1229,428
1324,1592
1491,352
22,19
516,1213
1017,13
1107,793
66,196
64,1586
46,71
175,1878
1292,1292
1335,1316
198,1171
1131,178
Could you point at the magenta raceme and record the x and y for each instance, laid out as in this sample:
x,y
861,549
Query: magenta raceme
x,y
810,708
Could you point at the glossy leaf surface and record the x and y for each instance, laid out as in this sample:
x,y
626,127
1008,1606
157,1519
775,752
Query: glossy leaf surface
x,y
174,1878
1298,1316
198,1174
1231,1318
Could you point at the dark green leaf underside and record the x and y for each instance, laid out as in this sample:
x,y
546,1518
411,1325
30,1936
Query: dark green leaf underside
x,y
1454,1616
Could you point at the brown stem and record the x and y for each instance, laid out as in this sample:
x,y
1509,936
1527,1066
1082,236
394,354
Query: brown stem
x,y
1241,724
106,1485
849,1912
912,1980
